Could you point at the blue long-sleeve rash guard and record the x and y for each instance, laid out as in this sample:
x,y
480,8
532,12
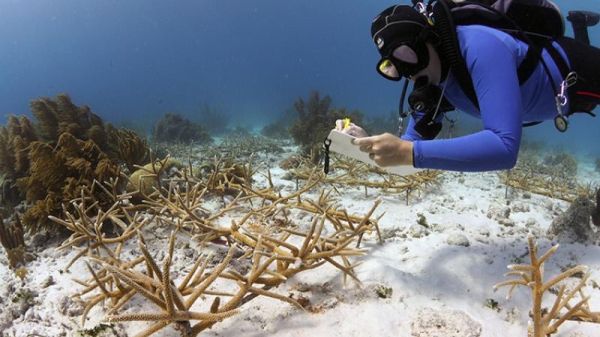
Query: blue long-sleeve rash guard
x,y
492,58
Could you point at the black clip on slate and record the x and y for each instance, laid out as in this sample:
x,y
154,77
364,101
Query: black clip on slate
x,y
326,145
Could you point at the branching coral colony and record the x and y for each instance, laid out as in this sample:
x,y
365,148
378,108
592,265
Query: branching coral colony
x,y
84,176
349,172
553,176
255,228
570,303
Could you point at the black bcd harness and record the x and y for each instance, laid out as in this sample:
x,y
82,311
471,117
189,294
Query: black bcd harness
x,y
526,20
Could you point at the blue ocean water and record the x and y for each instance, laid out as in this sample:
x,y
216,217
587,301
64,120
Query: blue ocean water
x,y
138,59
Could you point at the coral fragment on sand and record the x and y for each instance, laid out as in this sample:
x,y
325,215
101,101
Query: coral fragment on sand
x,y
569,304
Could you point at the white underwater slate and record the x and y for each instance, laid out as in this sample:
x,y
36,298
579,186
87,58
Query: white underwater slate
x,y
342,143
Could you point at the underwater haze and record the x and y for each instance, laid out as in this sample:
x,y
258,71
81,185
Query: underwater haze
x,y
133,61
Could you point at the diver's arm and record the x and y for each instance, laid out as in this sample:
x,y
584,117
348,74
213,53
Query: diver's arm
x,y
411,134
494,72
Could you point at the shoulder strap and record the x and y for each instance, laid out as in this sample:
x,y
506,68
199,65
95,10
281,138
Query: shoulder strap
x,y
449,48
528,65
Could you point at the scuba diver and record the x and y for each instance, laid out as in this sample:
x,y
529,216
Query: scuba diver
x,y
508,64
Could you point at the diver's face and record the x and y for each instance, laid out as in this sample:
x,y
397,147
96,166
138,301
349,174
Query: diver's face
x,y
401,62
433,71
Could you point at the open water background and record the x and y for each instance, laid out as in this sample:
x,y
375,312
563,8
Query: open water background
x,y
132,61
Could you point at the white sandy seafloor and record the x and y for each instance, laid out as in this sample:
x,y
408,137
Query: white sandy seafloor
x,y
441,276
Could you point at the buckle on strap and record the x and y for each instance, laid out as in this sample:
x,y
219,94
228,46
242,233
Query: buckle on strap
x,y
568,82
561,120
561,97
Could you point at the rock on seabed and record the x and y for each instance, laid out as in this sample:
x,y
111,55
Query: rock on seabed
x,y
431,322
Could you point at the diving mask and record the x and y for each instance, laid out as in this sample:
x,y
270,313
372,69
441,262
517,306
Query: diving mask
x,y
403,61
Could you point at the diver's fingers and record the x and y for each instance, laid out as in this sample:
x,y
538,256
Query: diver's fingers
x,y
365,144
353,130
356,131
378,159
366,148
363,140
339,125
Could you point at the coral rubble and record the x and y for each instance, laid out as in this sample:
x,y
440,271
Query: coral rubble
x,y
447,323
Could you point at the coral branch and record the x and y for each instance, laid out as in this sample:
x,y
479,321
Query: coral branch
x,y
545,322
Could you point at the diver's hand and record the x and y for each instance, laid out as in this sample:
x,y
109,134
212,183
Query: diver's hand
x,y
352,130
387,149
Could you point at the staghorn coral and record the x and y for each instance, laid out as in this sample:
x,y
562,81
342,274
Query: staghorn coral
x,y
153,176
236,145
173,307
212,288
315,119
349,172
292,162
88,220
220,176
553,175
547,321
225,176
